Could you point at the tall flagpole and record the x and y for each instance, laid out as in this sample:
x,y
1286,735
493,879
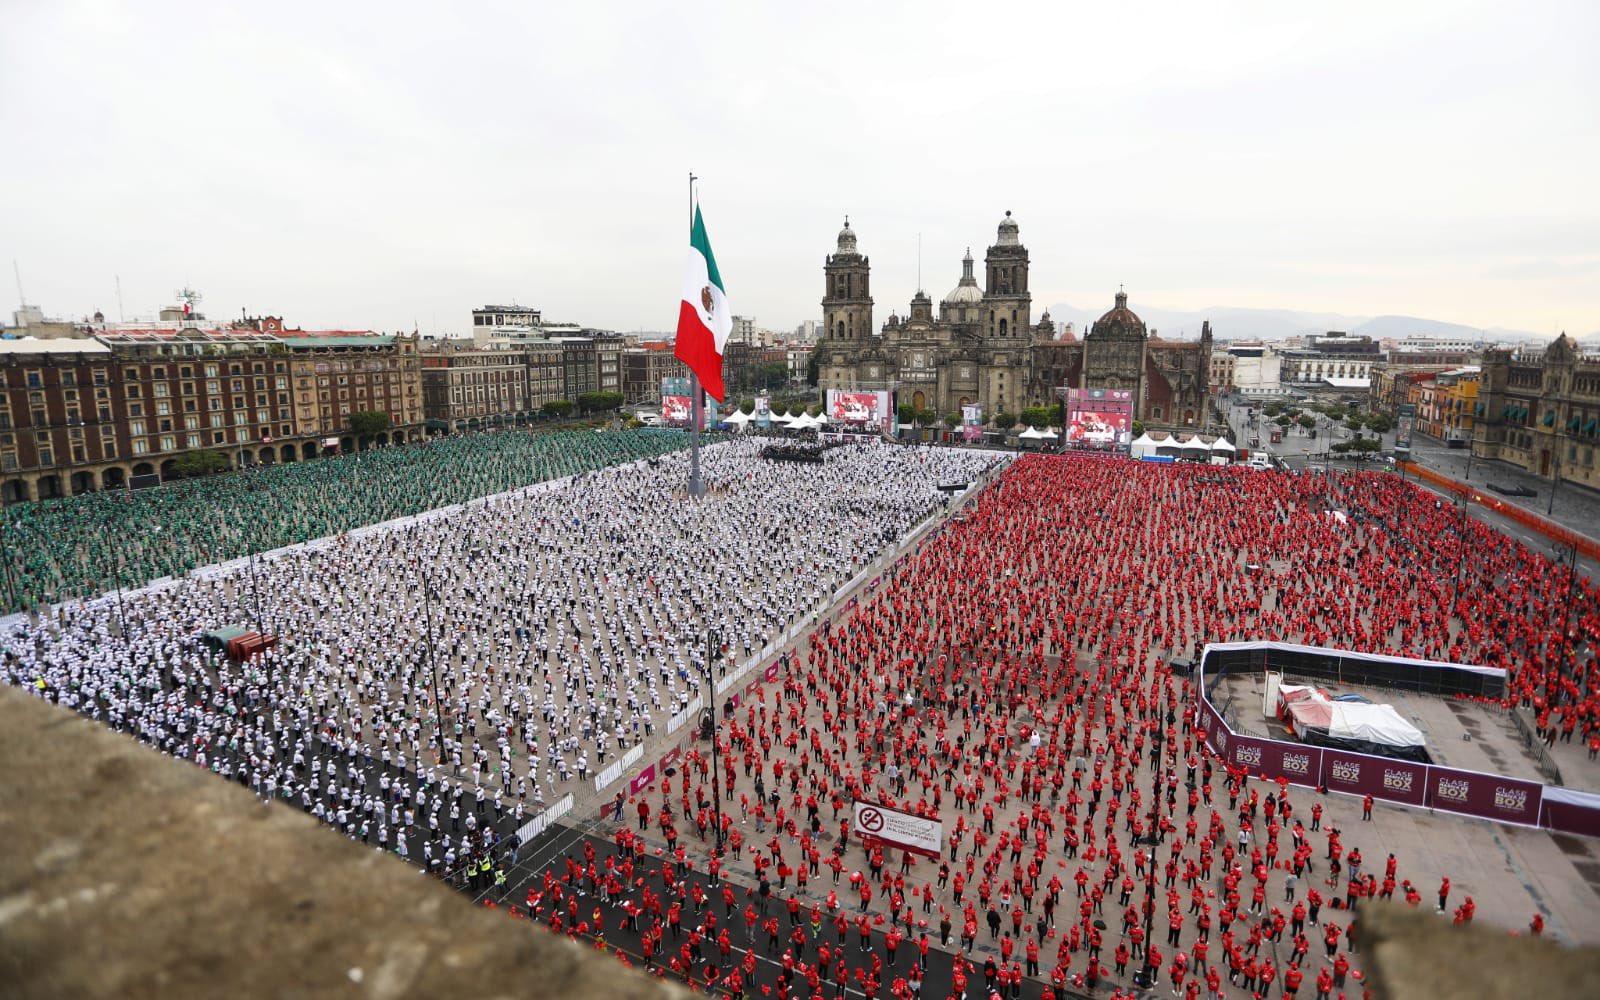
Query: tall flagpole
x,y
697,488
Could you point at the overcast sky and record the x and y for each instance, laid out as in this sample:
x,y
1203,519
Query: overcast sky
x,y
356,165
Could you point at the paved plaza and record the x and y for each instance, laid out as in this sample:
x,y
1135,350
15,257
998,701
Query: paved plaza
x,y
1008,675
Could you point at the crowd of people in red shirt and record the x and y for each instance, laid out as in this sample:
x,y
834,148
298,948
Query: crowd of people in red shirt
x,y
1011,678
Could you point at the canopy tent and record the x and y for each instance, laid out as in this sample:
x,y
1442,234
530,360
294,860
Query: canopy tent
x,y
1194,448
1316,719
1049,435
1142,445
1222,444
1167,445
1031,434
738,417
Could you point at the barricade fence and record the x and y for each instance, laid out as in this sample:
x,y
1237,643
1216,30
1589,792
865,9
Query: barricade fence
x,y
541,822
1431,786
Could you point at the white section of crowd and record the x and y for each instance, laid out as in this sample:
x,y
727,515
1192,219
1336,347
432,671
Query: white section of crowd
x,y
566,622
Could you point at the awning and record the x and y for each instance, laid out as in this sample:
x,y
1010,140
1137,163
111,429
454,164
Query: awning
x,y
1572,424
1589,427
436,425
1549,418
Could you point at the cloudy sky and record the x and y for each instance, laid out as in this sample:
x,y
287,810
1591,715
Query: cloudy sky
x,y
378,165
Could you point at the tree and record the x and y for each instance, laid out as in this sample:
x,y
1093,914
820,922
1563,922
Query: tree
x,y
747,406
1283,421
1138,428
1379,423
559,408
1367,446
368,424
814,366
1005,421
598,402
797,410
814,409
200,463
905,413
771,375
1342,447
925,418
1038,416
1307,421
952,420
1354,421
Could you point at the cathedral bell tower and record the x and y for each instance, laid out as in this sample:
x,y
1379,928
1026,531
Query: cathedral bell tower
x,y
847,296
1007,303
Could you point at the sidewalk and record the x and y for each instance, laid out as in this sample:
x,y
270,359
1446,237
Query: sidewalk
x,y
1577,508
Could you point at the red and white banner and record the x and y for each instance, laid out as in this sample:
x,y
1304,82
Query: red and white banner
x,y
875,824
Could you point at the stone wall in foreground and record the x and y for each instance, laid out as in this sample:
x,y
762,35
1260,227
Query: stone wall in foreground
x,y
124,873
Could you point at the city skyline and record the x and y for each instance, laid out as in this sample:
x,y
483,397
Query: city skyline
x,y
393,172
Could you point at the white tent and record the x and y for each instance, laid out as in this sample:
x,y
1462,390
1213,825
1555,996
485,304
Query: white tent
x,y
738,418
1142,445
1221,444
782,418
1194,448
820,420
1031,434
803,422
1049,435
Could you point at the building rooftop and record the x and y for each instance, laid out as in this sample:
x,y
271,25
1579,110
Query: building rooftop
x,y
62,345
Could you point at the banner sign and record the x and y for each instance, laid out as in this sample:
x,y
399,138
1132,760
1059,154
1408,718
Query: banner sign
x,y
1401,781
1489,796
875,824
1099,418
642,780
854,410
763,412
972,423
675,410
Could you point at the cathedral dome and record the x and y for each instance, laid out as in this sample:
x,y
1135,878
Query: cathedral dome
x,y
1120,319
1008,232
966,291
847,238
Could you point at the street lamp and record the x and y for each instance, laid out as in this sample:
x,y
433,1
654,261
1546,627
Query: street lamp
x,y
433,662
1555,473
1571,559
709,725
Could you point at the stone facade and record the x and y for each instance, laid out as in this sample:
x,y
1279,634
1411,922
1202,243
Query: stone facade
x,y
1541,411
984,348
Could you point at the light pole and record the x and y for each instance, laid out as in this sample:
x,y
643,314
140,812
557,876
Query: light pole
x,y
1571,559
1461,544
1555,472
433,662
713,644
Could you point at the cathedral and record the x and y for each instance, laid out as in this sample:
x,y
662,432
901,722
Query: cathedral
x,y
983,347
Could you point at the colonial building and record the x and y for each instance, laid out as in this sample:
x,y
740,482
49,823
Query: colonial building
x,y
471,388
1541,411
983,346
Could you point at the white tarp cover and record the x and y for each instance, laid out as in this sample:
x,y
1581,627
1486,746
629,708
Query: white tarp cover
x,y
737,417
1031,434
1142,445
1221,444
1379,724
1194,444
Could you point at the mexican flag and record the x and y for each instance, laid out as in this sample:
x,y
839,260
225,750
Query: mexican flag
x,y
703,318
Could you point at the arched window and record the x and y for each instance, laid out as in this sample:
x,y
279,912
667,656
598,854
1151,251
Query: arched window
x,y
1002,328
841,329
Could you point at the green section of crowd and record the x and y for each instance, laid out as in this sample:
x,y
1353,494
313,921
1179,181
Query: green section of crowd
x,y
62,549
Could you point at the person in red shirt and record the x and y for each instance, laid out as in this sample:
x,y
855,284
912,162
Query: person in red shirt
x,y
1292,977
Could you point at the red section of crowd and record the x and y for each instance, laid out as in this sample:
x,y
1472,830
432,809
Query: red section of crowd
x,y
1010,678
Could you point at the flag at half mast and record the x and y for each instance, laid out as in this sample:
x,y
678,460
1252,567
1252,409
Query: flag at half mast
x,y
703,318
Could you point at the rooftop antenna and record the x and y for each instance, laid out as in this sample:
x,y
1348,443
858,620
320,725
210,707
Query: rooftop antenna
x,y
17,270
120,317
919,262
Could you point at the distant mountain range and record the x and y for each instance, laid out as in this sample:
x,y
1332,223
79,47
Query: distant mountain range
x,y
1235,323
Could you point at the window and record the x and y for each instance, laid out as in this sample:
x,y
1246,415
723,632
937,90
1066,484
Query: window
x,y
47,455
108,447
163,408
136,427
191,423
219,437
99,376
186,371
69,378
8,461
168,442
218,420
192,441
141,446
133,392
159,371
35,380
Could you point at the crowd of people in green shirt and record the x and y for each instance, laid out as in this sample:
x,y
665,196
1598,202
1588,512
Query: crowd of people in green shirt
x,y
58,550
